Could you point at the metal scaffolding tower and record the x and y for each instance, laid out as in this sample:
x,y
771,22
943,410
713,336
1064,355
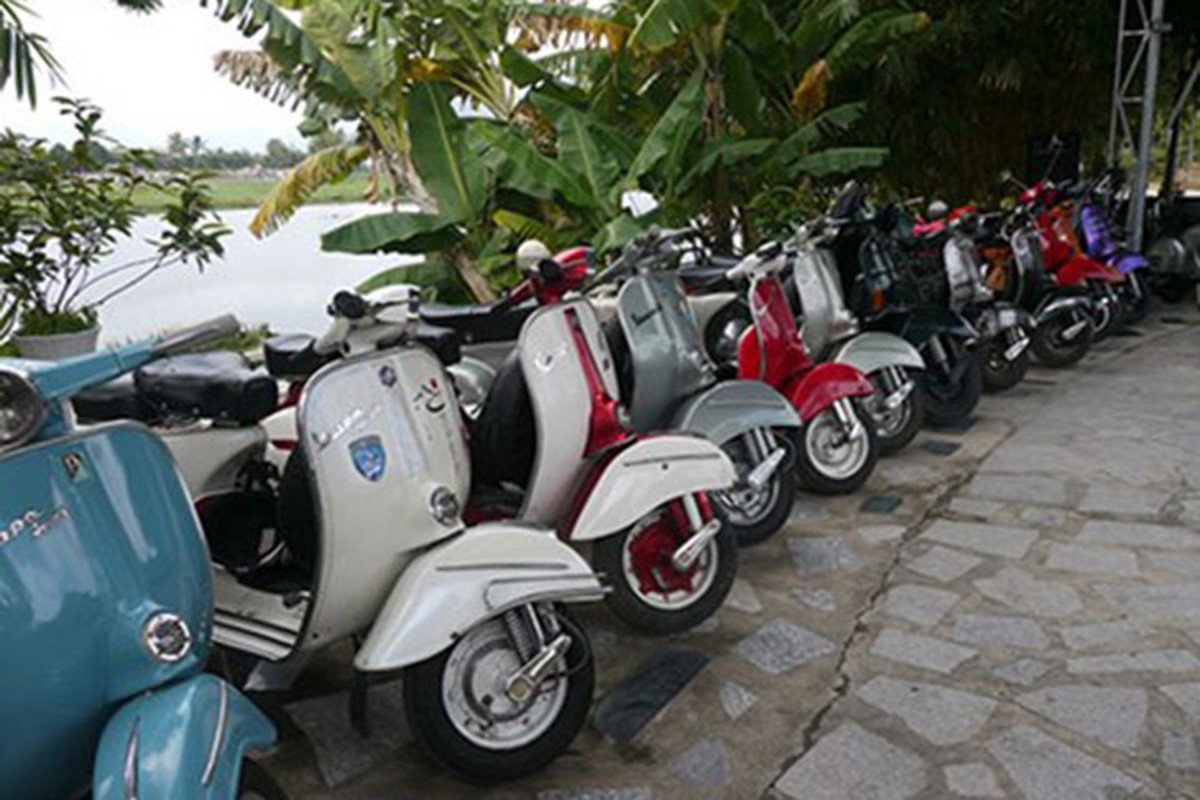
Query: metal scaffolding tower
x,y
1135,84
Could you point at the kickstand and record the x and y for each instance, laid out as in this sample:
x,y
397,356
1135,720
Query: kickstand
x,y
358,704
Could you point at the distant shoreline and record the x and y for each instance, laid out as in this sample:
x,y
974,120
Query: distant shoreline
x,y
232,191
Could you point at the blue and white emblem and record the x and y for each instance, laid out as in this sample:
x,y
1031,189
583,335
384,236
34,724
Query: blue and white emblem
x,y
370,459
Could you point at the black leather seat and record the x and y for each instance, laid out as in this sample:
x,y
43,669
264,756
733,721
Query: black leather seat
x,y
217,386
118,399
709,275
292,358
504,438
479,323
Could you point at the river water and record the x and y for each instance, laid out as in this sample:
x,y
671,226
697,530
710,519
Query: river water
x,y
283,280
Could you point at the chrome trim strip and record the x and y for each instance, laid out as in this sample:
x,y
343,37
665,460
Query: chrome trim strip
x,y
131,762
210,768
556,566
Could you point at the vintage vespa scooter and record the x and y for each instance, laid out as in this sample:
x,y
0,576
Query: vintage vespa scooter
x,y
106,606
836,450
671,385
831,333
497,678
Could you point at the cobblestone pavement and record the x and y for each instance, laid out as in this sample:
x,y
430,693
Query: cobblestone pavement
x,y
1009,610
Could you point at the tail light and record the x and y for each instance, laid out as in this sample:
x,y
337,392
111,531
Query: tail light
x,y
878,300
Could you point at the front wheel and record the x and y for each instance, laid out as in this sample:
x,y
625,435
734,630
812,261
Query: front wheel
x,y
648,592
896,424
754,514
1063,340
255,783
951,396
999,371
836,453
463,713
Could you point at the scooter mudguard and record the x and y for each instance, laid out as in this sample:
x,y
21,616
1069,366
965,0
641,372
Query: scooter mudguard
x,y
871,352
1055,304
733,408
825,384
1081,269
643,477
186,740
449,589
929,321
1126,263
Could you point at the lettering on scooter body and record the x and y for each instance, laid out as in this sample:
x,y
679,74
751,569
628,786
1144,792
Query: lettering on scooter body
x,y
35,523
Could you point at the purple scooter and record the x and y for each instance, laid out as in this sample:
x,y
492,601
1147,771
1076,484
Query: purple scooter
x,y
1097,238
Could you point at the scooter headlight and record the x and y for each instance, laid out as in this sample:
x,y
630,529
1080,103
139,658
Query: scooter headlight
x,y
22,411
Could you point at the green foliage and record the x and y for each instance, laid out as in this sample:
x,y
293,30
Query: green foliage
x,y
62,215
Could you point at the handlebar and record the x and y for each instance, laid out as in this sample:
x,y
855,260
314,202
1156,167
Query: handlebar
x,y
197,335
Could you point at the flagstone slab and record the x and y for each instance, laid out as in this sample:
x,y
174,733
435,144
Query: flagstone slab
x,y
1118,561
1147,661
972,780
920,605
940,714
992,540
1113,716
1098,634
943,564
1138,534
781,646
925,652
1044,768
1019,589
1040,489
990,630
852,762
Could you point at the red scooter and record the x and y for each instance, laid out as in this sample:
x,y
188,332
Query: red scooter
x,y
836,450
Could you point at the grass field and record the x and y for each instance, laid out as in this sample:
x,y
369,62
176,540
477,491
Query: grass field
x,y
231,191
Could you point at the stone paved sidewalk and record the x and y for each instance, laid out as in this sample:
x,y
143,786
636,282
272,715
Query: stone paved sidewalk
x,y
1021,620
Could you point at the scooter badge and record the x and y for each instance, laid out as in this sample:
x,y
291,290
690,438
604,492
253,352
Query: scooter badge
x,y
369,457
76,468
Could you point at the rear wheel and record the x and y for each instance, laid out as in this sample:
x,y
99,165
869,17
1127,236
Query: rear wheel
x,y
648,592
831,460
895,427
951,397
1106,315
753,515
464,716
1051,344
255,783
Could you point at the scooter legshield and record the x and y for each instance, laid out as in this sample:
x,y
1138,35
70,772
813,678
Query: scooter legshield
x,y
451,588
1081,269
823,386
186,740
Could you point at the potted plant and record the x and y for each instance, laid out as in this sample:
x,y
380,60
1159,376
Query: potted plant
x,y
62,212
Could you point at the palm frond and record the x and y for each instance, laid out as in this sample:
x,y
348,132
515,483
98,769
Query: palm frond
x,y
254,70
302,182
22,51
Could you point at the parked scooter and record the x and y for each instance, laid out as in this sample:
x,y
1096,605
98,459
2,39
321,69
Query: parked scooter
x,y
106,610
1100,243
837,447
497,677
670,384
885,299
554,445
945,264
1017,272
831,333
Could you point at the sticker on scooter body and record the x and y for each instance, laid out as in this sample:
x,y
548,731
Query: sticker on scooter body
x,y
34,522
370,459
431,395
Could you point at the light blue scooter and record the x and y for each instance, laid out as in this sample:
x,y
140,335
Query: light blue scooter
x,y
106,604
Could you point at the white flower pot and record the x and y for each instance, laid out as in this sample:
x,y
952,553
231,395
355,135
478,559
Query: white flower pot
x,y
59,345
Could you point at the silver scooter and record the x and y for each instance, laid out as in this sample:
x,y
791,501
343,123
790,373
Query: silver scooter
x,y
671,384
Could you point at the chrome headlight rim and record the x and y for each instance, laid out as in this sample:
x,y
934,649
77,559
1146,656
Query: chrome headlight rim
x,y
34,404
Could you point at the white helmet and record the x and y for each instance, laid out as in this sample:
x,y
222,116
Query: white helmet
x,y
530,254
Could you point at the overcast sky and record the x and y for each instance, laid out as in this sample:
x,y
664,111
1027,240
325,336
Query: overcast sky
x,y
152,74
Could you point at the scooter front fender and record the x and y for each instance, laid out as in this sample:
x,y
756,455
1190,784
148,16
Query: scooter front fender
x,y
824,385
641,478
871,352
448,590
1052,306
1126,263
730,409
185,740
